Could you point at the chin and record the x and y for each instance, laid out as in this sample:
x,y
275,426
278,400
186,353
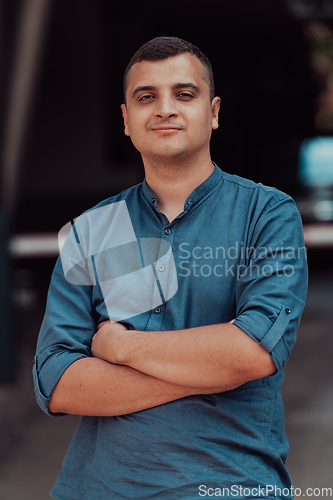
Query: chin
x,y
170,154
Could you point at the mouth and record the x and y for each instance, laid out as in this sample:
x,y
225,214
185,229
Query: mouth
x,y
166,130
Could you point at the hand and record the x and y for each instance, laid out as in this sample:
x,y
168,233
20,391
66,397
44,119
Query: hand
x,y
107,341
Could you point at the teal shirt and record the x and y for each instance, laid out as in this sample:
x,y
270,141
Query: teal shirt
x,y
235,252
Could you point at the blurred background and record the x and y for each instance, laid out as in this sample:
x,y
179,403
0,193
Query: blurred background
x,y
63,150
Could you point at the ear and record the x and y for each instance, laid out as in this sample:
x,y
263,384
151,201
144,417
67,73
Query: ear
x,y
124,112
215,112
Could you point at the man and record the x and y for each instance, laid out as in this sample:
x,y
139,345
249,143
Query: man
x,y
172,310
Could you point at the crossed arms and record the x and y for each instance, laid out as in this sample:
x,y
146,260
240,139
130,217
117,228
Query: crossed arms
x,y
134,370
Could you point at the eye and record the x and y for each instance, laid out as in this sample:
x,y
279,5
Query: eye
x,y
185,96
146,97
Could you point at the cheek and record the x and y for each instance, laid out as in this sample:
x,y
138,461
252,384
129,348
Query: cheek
x,y
201,124
136,125
136,132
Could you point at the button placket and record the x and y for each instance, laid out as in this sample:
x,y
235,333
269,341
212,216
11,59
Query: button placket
x,y
162,269
166,274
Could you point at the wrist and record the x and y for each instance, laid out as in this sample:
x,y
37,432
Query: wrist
x,y
126,347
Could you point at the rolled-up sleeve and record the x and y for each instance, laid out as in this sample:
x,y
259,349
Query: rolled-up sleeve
x,y
271,290
65,336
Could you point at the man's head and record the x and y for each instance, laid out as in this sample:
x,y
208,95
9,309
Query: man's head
x,y
170,112
163,47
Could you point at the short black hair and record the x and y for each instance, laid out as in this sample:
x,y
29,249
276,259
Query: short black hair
x,y
163,47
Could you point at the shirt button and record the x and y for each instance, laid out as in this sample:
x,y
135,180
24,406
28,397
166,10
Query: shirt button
x,y
161,269
153,200
167,230
157,310
288,311
189,202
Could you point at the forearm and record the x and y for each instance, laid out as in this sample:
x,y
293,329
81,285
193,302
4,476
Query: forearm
x,y
91,386
205,356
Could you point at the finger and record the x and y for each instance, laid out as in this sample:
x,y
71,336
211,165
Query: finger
x,y
102,324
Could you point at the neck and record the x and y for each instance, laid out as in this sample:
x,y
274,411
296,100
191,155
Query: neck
x,y
173,183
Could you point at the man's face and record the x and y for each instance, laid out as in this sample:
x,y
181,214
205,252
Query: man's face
x,y
168,112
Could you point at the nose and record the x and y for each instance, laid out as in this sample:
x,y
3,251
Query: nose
x,y
166,107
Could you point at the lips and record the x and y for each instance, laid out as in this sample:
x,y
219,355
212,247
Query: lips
x,y
166,128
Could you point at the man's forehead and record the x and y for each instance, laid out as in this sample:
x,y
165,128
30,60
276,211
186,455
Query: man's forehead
x,y
180,68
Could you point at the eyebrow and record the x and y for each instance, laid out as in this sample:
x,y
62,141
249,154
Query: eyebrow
x,y
176,86
143,87
188,85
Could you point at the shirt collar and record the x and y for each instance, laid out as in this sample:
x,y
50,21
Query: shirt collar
x,y
199,192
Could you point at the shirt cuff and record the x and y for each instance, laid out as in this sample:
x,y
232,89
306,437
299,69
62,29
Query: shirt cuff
x,y
267,332
43,398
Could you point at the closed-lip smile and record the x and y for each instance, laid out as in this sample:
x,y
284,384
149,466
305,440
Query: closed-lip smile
x,y
166,129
